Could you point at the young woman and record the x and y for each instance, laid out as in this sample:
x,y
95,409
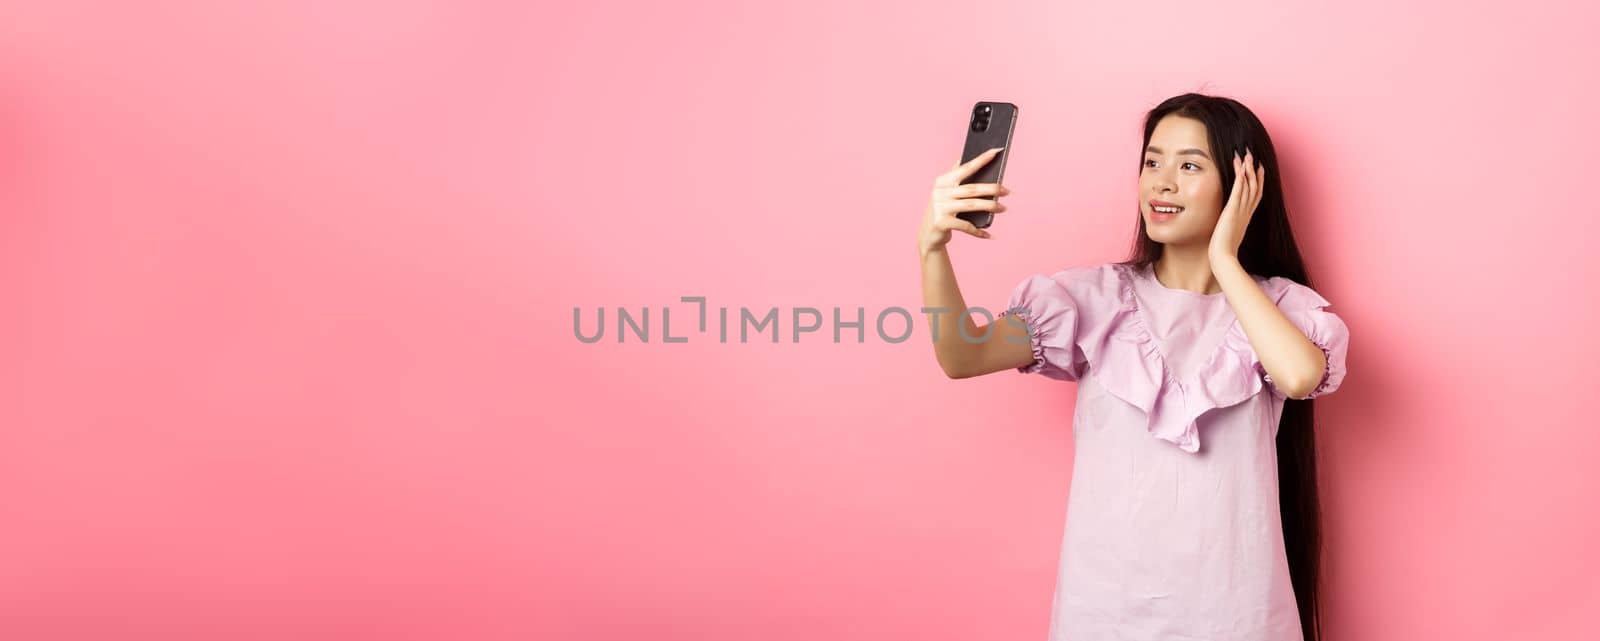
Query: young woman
x,y
1193,510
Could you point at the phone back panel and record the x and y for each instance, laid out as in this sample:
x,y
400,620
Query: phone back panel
x,y
986,131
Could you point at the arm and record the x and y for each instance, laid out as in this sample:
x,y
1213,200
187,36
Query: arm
x,y
1007,348
1295,363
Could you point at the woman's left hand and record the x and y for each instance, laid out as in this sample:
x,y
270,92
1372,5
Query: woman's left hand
x,y
1235,217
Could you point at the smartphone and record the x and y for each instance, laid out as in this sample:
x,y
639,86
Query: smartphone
x,y
989,126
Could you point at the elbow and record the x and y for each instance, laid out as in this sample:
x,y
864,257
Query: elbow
x,y
954,371
958,375
1300,388
954,367
1296,391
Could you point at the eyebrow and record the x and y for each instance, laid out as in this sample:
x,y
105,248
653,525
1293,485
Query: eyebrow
x,y
1191,152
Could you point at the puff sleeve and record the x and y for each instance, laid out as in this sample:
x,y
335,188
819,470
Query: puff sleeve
x,y
1308,310
1053,316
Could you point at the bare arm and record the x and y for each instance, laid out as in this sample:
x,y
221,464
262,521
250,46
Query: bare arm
x,y
962,347
1294,362
973,354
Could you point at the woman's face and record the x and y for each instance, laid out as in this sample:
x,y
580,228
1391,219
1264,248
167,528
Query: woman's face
x,y
1178,168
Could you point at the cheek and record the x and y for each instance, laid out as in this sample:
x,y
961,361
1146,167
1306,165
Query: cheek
x,y
1205,191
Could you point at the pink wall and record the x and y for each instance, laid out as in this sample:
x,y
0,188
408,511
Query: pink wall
x,y
289,349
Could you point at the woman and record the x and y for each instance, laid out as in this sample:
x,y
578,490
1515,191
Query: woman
x,y
1193,511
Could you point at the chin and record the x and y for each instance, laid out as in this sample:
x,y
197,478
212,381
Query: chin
x,y
1158,234
1165,236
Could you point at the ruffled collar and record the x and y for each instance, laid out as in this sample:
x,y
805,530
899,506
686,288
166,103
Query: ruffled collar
x,y
1134,370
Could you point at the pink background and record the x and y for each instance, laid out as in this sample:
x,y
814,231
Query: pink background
x,y
288,350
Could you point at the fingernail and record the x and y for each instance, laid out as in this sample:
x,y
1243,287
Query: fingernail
x,y
997,149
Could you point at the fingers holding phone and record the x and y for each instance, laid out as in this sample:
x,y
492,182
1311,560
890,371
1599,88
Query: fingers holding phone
x,y
966,198
952,196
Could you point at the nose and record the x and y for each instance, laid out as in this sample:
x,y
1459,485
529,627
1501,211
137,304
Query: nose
x,y
1164,183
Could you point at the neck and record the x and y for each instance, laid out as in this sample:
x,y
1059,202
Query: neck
x,y
1187,268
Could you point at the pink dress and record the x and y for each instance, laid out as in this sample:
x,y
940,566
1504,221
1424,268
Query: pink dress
x,y
1173,528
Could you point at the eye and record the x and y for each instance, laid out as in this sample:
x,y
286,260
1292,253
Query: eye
x,y
1147,162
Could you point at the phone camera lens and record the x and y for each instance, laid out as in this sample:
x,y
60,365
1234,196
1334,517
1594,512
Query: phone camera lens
x,y
983,109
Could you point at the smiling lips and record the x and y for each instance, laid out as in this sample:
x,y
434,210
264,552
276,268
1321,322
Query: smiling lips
x,y
1164,208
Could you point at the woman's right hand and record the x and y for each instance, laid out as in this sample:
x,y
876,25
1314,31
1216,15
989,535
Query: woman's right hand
x,y
950,197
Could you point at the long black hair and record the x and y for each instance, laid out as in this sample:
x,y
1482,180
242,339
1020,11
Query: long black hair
x,y
1268,249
